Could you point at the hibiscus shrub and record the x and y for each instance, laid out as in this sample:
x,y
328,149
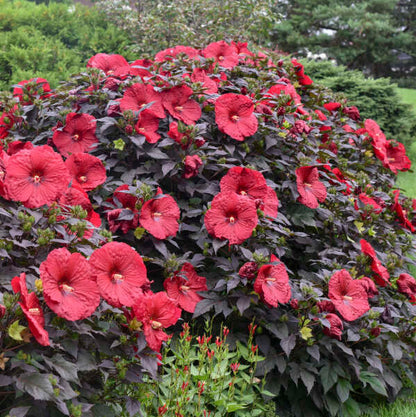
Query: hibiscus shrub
x,y
204,184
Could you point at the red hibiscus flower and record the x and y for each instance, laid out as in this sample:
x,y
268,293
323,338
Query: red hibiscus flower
x,y
168,54
120,273
224,54
117,217
159,216
369,203
234,116
311,190
348,295
326,306
138,96
336,326
78,135
407,285
6,123
192,165
177,102
283,87
109,63
200,76
32,310
141,68
231,217
36,176
35,87
303,79
182,138
401,213
17,146
183,287
76,196
381,275
270,203
147,125
156,312
333,106
68,286
352,112
272,283
396,158
244,181
86,170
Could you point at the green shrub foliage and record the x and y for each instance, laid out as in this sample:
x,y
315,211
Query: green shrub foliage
x,y
252,196
52,41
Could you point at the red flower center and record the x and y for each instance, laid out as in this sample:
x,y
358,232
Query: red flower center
x,y
347,298
75,138
142,129
179,108
66,288
82,178
220,58
231,219
118,278
271,279
184,288
235,118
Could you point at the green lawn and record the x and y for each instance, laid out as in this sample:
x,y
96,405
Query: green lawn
x,y
407,180
400,408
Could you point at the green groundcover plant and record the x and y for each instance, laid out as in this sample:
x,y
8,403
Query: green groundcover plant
x,y
214,184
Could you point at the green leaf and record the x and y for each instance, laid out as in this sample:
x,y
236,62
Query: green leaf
x,y
394,350
67,370
350,408
37,385
235,407
308,379
343,389
374,381
328,377
15,331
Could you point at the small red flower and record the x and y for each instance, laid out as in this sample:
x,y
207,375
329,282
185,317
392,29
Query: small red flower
x,y
7,121
184,139
86,170
332,106
140,95
369,286
352,112
32,310
78,135
272,283
249,270
225,55
141,68
369,203
231,217
147,125
311,190
336,326
68,286
177,102
348,295
36,176
120,273
156,312
183,287
407,285
326,306
381,275
192,165
159,216
109,63
234,116
17,146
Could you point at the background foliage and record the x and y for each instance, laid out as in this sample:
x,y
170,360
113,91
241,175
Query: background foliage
x,y
52,41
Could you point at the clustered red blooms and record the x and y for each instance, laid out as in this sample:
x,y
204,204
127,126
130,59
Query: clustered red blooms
x,y
64,171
